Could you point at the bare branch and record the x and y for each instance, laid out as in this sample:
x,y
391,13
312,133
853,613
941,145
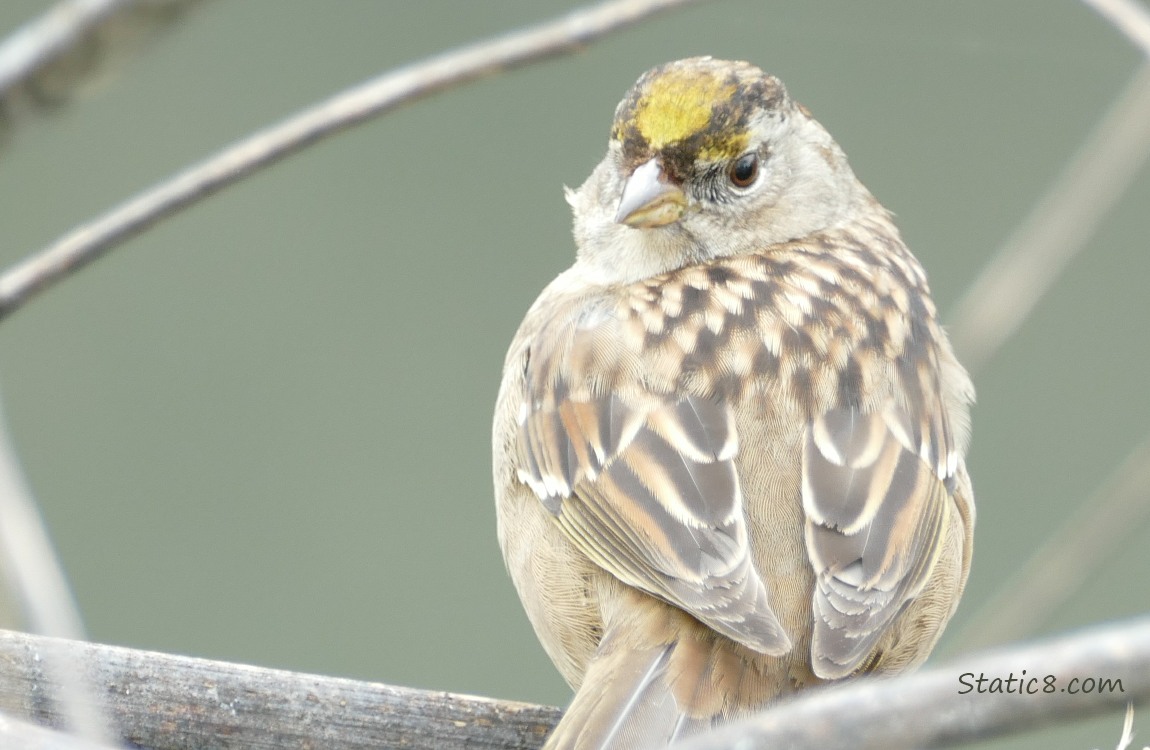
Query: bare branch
x,y
19,735
927,709
1004,294
179,703
1065,219
34,574
1058,228
353,106
29,564
75,43
1069,558
1127,728
37,42
1128,16
174,702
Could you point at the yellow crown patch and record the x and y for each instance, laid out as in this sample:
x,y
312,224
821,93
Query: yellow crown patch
x,y
698,107
678,104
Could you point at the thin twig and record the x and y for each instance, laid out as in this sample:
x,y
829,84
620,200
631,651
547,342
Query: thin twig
x,y
29,60
943,706
998,303
1127,729
1058,228
1130,17
1060,225
74,44
1069,558
34,574
57,30
353,106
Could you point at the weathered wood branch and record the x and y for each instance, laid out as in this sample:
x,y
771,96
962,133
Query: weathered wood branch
x,y
1066,678
20,735
166,702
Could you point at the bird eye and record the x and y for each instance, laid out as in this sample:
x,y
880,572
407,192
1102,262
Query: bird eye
x,y
744,170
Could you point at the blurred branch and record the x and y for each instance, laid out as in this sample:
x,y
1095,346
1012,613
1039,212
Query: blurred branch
x,y
1128,16
170,702
1127,728
37,42
999,301
1057,229
1065,219
34,575
1069,558
927,710
75,44
353,106
29,564
19,735
175,702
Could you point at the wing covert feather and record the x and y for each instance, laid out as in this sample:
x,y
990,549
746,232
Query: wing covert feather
x,y
876,511
651,494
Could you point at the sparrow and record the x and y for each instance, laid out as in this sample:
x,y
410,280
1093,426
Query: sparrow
x,y
729,441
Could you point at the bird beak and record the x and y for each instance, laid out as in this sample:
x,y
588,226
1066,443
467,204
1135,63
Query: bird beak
x,y
650,199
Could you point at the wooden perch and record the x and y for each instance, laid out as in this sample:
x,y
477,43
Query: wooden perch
x,y
1068,678
163,702
160,701
19,735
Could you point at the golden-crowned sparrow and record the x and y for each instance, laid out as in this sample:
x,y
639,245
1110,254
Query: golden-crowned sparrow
x,y
729,443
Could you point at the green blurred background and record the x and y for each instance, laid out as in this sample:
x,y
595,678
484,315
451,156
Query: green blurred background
x,y
260,432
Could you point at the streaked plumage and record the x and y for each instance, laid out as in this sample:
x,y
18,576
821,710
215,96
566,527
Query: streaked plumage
x,y
728,447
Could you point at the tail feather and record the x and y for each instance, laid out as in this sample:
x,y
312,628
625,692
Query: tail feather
x,y
625,703
658,677
647,704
